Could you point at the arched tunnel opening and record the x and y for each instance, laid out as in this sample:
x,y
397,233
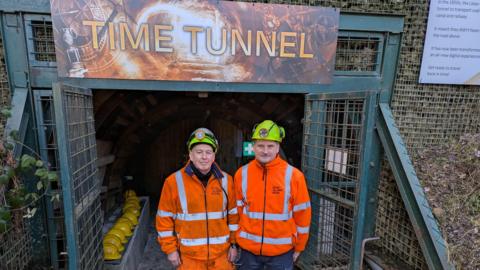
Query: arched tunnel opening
x,y
142,134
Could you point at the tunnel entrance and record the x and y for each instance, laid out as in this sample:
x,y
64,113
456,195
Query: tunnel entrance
x,y
144,132
105,135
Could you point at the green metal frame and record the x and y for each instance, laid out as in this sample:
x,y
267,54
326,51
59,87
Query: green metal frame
x,y
426,228
367,159
381,37
42,141
66,178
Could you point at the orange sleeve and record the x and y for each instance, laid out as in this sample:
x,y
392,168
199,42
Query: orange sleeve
x,y
302,210
232,210
165,218
237,181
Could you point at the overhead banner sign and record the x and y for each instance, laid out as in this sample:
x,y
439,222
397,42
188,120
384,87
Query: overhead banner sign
x,y
194,41
451,53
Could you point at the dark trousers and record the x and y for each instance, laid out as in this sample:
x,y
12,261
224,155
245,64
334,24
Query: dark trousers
x,y
250,261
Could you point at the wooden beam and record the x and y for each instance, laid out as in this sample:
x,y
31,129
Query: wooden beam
x,y
105,160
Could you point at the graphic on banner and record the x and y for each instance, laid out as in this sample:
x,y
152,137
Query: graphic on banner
x,y
195,41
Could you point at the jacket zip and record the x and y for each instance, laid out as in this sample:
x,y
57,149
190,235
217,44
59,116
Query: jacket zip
x,y
206,218
264,203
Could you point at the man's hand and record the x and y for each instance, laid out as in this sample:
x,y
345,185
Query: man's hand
x,y
295,256
232,254
174,258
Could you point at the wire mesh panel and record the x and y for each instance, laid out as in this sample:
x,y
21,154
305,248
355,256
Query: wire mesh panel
x,y
358,54
49,153
81,187
15,247
397,238
331,163
43,44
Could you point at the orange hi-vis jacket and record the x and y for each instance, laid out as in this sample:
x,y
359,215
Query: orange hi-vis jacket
x,y
193,219
274,208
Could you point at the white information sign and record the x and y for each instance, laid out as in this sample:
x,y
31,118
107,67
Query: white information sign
x,y
451,53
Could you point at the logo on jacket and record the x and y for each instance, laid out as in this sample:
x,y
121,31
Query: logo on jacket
x,y
216,191
277,189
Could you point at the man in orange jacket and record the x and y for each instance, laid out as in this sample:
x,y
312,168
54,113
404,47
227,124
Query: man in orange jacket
x,y
197,217
273,204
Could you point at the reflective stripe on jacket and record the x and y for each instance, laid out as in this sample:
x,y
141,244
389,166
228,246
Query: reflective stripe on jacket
x,y
274,208
192,218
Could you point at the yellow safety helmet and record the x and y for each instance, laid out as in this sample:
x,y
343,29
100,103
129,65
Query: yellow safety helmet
x,y
202,135
126,220
132,217
269,131
124,227
113,240
132,210
131,205
118,233
134,200
129,193
127,223
110,252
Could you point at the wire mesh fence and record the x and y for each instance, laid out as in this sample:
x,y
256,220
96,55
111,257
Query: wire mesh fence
x,y
15,246
393,226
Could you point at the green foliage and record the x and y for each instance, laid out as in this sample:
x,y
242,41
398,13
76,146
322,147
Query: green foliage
x,y
4,179
27,162
474,203
5,218
6,112
17,196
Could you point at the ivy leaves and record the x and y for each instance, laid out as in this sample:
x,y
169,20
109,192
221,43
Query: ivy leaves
x,y
13,173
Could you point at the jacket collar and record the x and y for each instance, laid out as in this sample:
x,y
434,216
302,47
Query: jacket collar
x,y
216,172
275,162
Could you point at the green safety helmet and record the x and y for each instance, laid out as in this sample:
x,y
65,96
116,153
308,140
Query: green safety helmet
x,y
202,135
269,131
110,252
